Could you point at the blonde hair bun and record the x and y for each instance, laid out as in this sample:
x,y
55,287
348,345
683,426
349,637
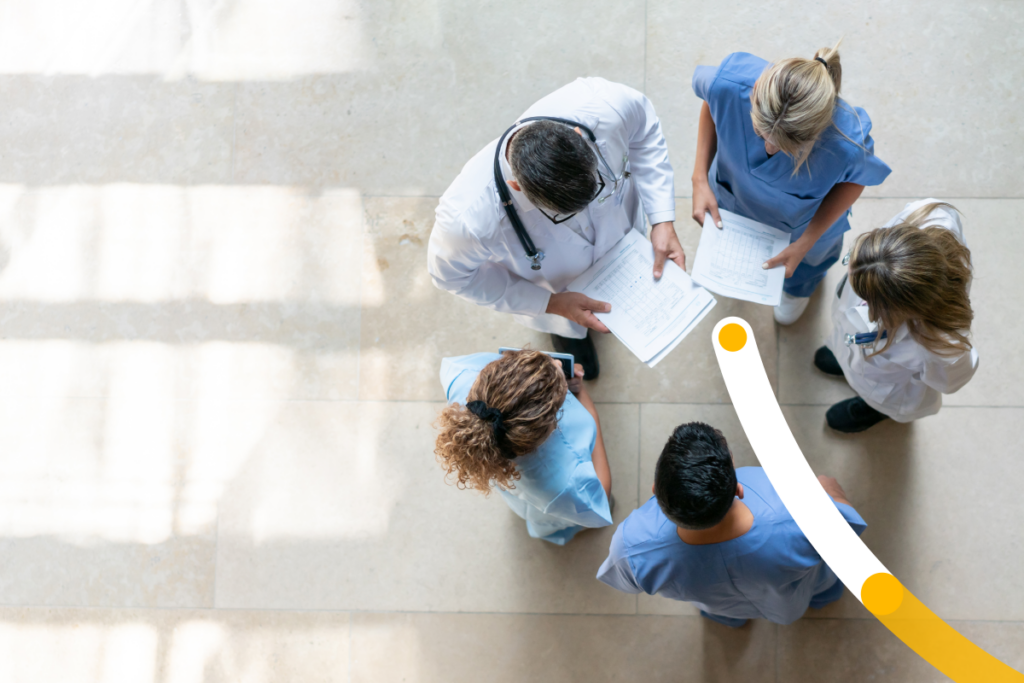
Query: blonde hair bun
x,y
793,102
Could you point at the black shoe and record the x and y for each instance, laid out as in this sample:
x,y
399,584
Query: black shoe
x,y
853,415
825,361
582,350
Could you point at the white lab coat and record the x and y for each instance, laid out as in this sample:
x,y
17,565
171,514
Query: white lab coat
x,y
474,251
906,381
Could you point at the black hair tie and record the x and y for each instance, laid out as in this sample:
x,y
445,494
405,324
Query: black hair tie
x,y
819,59
494,416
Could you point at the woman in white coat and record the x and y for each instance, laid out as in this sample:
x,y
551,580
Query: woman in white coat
x,y
901,319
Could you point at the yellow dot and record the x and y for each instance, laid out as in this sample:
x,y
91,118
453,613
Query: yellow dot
x,y
732,337
882,594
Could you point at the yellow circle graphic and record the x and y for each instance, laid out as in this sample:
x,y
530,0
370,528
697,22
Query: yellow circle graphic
x,y
882,594
732,337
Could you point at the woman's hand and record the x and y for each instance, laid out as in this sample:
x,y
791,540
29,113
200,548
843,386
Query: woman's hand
x,y
666,246
837,202
704,202
790,257
576,383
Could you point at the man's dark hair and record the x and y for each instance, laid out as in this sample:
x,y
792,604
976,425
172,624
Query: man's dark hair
x,y
554,166
695,479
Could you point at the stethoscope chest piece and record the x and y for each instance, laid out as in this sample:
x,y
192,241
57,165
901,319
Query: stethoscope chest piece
x,y
864,338
535,260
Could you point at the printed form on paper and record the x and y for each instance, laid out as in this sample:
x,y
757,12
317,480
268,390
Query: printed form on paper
x,y
649,316
728,261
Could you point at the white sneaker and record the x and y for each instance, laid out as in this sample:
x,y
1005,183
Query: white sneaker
x,y
790,309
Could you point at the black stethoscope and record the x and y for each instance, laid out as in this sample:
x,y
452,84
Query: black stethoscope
x,y
535,255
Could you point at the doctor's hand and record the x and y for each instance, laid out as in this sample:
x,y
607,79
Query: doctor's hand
x,y
666,246
790,257
704,202
579,308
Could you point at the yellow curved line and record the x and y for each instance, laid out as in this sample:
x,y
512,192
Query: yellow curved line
x,y
886,598
929,636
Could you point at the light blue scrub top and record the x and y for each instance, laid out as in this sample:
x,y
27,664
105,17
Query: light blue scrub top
x,y
771,572
558,493
747,181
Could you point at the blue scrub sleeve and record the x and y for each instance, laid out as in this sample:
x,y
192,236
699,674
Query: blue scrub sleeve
x,y
454,381
583,500
851,516
863,167
703,77
615,570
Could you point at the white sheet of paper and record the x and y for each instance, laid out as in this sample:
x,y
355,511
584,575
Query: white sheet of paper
x,y
696,321
649,316
728,261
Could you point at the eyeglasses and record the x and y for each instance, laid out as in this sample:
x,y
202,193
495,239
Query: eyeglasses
x,y
561,218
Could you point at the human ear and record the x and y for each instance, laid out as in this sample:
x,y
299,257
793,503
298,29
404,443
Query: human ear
x,y
578,131
739,490
514,185
652,488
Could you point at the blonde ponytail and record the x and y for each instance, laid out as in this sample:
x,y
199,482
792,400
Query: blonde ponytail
x,y
918,275
793,102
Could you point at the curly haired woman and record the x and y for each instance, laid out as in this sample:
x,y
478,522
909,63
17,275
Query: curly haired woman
x,y
514,423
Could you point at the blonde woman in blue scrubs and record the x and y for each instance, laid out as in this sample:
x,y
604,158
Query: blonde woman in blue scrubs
x,y
776,144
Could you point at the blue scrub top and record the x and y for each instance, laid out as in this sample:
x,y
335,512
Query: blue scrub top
x,y
770,572
558,493
747,181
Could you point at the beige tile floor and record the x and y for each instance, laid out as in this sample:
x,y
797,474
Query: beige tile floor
x,y
219,344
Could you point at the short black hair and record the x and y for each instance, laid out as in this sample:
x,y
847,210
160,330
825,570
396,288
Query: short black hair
x,y
554,166
695,479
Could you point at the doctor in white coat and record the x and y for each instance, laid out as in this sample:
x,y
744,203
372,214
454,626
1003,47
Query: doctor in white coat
x,y
901,319
576,185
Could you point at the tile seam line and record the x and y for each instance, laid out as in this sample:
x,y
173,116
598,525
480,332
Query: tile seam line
x,y
639,456
341,612
438,196
901,196
204,399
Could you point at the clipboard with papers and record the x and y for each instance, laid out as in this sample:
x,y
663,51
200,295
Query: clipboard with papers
x,y
649,316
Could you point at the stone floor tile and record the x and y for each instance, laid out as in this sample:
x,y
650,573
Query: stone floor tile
x,y
453,648
104,503
931,149
114,128
408,325
189,292
422,100
342,506
848,650
42,645
933,495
